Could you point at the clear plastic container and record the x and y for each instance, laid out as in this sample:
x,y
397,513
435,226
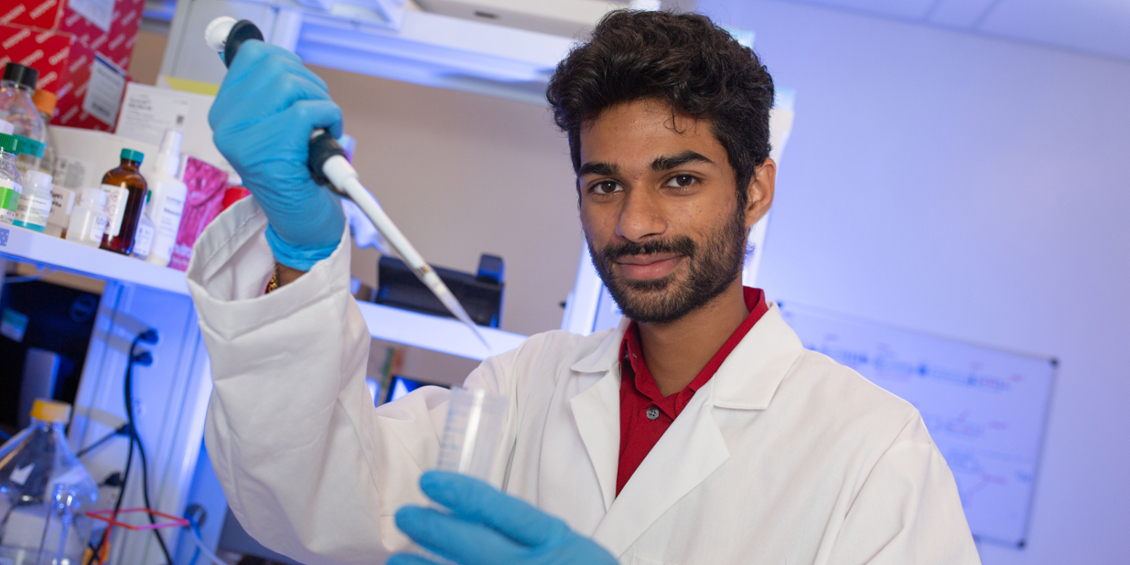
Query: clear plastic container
x,y
472,432
89,220
16,87
44,490
143,239
35,204
11,181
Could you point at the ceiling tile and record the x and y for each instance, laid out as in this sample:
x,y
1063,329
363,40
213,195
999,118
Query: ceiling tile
x,y
1095,26
902,9
961,14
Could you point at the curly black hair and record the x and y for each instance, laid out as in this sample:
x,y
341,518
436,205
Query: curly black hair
x,y
683,59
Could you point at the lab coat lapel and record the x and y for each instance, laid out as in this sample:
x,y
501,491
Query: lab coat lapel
x,y
694,446
689,451
596,411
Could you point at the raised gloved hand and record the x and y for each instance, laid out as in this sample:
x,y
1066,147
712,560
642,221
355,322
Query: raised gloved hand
x,y
487,527
268,105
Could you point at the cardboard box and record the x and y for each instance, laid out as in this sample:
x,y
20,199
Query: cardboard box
x,y
89,86
43,14
108,27
117,40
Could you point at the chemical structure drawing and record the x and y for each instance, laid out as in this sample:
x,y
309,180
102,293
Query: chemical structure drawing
x,y
984,408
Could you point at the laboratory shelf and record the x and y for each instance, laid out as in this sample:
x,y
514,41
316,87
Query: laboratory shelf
x,y
444,335
34,247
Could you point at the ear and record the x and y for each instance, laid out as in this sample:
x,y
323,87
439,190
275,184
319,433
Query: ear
x,y
760,192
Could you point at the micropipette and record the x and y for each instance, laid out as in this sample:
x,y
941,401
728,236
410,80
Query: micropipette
x,y
329,166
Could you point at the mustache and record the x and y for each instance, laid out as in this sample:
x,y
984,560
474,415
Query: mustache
x,y
679,246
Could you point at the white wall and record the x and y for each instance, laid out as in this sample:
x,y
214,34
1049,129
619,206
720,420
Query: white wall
x,y
464,174
977,189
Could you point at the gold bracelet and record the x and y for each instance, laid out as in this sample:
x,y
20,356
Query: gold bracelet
x,y
274,284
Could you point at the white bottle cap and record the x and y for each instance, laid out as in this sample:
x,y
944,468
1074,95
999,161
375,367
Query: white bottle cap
x,y
7,128
168,158
37,182
93,197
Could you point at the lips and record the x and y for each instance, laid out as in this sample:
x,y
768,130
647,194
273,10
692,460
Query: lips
x,y
645,267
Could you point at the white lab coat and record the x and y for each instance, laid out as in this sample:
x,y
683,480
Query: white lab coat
x,y
783,457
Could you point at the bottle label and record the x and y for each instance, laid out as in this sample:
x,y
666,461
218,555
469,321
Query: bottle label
x,y
116,197
167,223
69,173
62,202
29,146
170,215
33,210
142,240
10,192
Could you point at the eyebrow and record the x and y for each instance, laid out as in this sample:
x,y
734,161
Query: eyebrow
x,y
597,169
661,163
668,162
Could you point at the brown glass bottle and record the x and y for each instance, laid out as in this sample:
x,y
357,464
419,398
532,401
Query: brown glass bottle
x,y
125,202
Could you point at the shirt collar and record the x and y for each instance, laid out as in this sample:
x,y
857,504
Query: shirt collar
x,y
644,382
746,380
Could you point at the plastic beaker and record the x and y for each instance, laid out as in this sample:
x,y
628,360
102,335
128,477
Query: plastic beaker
x,y
472,432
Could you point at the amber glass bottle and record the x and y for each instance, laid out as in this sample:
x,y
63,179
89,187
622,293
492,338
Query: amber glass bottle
x,y
126,189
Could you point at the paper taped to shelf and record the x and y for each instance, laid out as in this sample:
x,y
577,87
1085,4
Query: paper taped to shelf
x,y
83,156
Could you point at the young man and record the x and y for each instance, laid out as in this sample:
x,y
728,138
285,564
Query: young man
x,y
698,431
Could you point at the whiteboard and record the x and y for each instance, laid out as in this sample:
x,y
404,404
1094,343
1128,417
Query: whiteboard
x,y
986,409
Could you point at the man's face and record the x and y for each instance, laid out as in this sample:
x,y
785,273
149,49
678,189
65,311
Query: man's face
x,y
660,210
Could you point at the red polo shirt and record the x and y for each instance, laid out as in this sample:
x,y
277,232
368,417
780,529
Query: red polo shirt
x,y
645,414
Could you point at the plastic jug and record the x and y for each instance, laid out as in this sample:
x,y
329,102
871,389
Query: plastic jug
x,y
44,490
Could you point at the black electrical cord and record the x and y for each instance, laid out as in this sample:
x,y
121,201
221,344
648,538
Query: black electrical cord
x,y
123,430
128,393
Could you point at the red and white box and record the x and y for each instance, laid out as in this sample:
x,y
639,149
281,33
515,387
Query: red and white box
x,y
116,39
43,14
108,27
89,85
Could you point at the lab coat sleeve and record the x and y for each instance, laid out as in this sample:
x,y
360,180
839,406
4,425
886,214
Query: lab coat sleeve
x,y
907,510
309,467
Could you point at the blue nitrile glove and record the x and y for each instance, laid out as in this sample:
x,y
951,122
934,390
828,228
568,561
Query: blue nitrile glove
x,y
261,122
487,527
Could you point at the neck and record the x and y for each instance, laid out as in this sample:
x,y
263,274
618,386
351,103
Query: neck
x,y
677,351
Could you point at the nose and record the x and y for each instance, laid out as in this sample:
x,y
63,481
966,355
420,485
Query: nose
x,y
640,216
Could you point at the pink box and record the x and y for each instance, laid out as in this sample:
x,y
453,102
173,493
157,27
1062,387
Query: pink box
x,y
205,200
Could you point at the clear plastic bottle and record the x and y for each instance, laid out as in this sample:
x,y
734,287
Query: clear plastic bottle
x,y
44,492
89,220
143,239
35,203
45,101
16,87
11,181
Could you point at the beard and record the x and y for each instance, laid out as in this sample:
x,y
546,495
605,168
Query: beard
x,y
712,267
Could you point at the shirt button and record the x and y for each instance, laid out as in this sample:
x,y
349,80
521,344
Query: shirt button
x,y
652,412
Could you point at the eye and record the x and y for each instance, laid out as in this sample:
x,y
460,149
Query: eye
x,y
681,181
605,187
